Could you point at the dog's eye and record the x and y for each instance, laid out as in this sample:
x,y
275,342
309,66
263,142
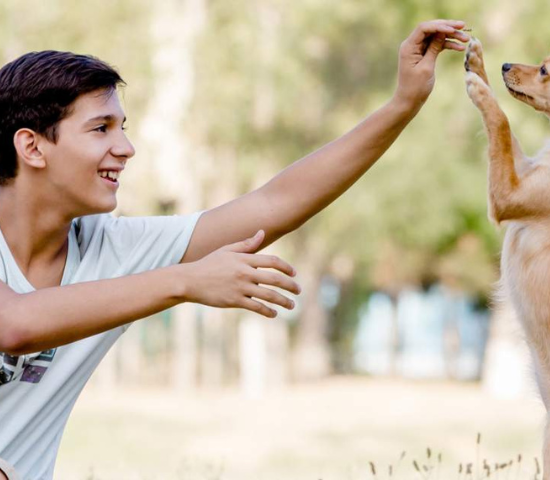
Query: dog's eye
x,y
543,71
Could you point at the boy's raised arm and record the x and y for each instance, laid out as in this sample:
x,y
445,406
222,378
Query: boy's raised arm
x,y
310,184
221,270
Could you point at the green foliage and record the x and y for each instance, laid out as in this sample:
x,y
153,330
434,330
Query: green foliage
x,y
321,67
117,32
276,79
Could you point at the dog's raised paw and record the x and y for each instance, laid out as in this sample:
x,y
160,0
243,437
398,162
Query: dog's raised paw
x,y
473,61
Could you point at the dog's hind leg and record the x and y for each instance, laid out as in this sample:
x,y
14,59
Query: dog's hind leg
x,y
546,448
541,362
546,451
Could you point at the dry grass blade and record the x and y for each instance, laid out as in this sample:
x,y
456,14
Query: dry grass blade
x,y
373,469
466,471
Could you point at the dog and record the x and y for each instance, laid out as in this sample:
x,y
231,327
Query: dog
x,y
519,194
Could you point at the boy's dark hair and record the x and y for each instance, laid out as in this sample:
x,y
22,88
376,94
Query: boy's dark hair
x,y
37,91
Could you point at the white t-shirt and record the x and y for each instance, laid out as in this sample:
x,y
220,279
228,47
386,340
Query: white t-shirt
x,y
38,391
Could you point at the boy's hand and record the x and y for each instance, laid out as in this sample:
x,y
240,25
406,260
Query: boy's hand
x,y
235,277
418,55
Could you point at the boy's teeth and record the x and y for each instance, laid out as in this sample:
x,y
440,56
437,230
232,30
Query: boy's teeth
x,y
110,174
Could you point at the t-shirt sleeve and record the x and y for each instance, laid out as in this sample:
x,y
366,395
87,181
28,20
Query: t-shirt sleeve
x,y
127,245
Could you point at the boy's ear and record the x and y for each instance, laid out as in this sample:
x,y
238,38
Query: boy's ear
x,y
27,145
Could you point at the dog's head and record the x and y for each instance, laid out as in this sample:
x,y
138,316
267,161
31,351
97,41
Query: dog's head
x,y
529,83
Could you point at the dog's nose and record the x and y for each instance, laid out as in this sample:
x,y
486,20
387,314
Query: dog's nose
x,y
506,67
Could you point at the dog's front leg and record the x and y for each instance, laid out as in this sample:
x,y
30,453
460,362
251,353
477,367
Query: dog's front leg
x,y
503,178
473,62
504,151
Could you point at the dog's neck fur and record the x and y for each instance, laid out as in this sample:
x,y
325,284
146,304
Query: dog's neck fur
x,y
543,155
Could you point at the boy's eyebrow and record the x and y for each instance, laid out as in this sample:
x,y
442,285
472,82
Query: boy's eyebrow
x,y
103,118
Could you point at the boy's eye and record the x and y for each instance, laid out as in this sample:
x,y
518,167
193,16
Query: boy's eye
x,y
103,128
543,70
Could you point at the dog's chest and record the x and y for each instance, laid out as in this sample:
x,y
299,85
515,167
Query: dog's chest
x,y
525,268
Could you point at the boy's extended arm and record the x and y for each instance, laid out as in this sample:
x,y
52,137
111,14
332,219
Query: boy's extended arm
x,y
310,184
229,277
51,317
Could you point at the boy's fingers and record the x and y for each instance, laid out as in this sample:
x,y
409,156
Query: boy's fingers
x,y
441,41
425,29
449,45
257,307
270,296
460,36
271,261
277,280
435,47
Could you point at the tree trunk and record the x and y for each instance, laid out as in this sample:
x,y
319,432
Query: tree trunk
x,y
312,357
175,29
395,338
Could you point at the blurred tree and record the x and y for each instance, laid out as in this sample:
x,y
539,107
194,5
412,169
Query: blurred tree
x,y
271,80
278,79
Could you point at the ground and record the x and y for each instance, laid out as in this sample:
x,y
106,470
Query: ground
x,y
329,430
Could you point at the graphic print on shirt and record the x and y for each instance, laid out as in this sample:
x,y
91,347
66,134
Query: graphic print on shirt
x,y
30,368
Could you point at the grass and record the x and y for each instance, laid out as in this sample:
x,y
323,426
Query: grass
x,y
426,469
341,429
430,468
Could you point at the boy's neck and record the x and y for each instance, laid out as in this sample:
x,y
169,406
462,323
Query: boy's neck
x,y
35,233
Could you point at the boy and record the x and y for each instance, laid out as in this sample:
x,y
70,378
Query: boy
x,y
74,277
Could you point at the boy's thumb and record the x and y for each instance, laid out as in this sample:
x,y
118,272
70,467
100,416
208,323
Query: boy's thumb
x,y
435,47
248,245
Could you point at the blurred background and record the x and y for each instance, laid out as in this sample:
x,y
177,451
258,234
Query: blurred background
x,y
394,345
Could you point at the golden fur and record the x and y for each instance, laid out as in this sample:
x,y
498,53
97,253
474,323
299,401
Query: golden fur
x,y
519,194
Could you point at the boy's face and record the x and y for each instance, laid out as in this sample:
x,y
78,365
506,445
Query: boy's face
x,y
91,144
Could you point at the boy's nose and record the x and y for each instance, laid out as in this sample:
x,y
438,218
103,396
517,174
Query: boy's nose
x,y
124,149
506,67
